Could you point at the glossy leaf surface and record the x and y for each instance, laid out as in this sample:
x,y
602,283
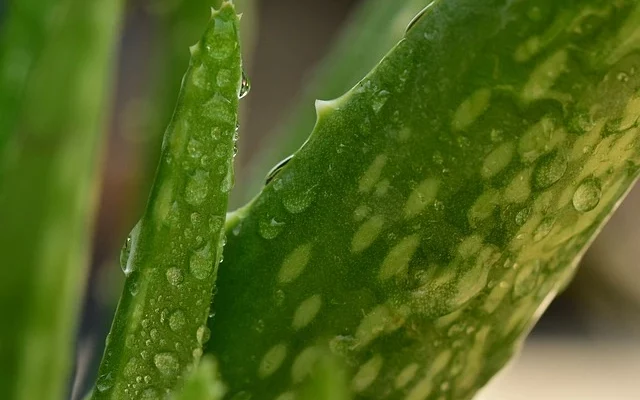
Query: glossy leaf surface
x,y
439,205
172,254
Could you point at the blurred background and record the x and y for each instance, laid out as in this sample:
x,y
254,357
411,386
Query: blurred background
x,y
587,346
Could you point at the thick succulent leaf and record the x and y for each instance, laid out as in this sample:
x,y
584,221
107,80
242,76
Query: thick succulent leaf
x,y
439,205
374,29
172,254
54,86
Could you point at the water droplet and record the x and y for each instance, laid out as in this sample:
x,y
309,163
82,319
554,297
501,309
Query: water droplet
x,y
197,188
270,228
203,334
298,201
177,320
228,181
276,169
550,169
235,139
154,334
131,367
201,263
147,379
126,258
167,363
245,86
105,382
174,276
587,195
379,100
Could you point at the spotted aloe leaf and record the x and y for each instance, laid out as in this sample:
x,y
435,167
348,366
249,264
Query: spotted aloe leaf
x,y
171,257
439,205
54,82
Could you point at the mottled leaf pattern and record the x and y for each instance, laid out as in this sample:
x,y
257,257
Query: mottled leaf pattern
x,y
439,205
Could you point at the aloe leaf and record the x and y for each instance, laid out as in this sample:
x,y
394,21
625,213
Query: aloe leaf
x,y
439,205
203,383
171,256
178,26
53,112
374,29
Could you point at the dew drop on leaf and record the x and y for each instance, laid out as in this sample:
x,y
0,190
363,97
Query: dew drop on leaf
x,y
297,202
167,363
125,254
587,195
177,320
550,170
270,228
201,263
105,382
245,86
174,276
197,188
203,334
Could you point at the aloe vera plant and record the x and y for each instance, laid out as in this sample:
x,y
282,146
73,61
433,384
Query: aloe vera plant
x,y
404,251
439,205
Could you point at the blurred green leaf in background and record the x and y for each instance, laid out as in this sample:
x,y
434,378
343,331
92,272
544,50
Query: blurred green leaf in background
x,y
57,59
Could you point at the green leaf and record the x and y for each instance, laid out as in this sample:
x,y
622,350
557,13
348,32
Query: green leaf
x,y
374,29
439,205
203,383
172,254
54,92
179,25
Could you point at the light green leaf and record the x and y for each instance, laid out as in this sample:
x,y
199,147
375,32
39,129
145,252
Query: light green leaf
x,y
53,104
172,254
439,205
